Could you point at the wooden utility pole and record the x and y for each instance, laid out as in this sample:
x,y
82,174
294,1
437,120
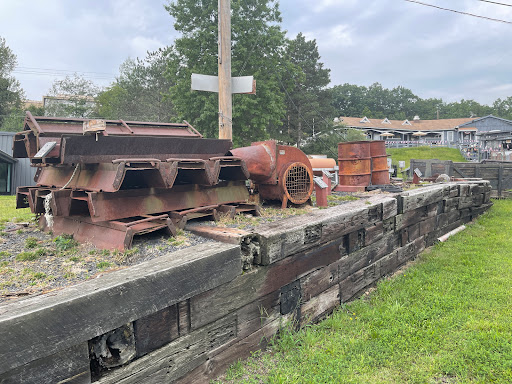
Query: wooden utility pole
x,y
225,95
224,84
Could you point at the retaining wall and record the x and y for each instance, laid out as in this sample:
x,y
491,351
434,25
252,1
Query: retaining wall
x,y
186,316
498,173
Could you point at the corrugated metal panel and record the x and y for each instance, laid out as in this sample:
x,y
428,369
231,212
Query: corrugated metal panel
x,y
23,172
6,139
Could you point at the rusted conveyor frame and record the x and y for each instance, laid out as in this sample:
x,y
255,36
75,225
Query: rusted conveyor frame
x,y
40,130
104,206
150,173
111,234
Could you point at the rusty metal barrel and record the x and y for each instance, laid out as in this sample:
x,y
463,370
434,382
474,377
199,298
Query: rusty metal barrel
x,y
354,163
379,160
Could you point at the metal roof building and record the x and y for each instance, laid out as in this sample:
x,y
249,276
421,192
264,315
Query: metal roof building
x,y
13,172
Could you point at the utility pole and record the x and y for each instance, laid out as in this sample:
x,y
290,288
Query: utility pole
x,y
225,96
224,84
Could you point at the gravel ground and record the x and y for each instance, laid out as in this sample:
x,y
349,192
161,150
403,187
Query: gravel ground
x,y
33,262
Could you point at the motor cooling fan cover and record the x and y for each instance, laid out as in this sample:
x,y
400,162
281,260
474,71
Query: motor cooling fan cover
x,y
296,182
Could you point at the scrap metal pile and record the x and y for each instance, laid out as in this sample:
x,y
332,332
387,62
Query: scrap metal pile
x,y
107,181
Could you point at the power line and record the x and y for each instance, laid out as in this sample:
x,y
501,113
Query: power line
x,y
459,12
495,2
63,70
39,73
302,117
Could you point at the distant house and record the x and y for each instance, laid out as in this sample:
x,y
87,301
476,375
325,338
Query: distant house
x,y
13,172
481,131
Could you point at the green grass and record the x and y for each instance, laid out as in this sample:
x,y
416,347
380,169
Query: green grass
x,y
8,211
102,265
26,256
31,242
440,153
65,242
446,319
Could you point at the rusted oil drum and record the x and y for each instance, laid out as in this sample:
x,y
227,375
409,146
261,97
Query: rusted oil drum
x,y
354,163
356,172
354,150
380,170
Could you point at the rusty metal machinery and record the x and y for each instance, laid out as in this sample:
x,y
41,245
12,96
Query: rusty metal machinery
x,y
280,172
108,181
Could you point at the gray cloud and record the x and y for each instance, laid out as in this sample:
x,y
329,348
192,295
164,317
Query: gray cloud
x,y
433,52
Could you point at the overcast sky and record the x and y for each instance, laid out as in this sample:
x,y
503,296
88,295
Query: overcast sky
x,y
434,53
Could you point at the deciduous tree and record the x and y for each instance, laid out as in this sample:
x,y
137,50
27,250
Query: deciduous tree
x,y
11,93
257,50
308,107
140,91
72,96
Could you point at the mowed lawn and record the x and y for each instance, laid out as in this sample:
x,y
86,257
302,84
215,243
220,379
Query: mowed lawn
x,y
440,153
445,319
8,211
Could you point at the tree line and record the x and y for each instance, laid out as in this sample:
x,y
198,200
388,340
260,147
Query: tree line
x,y
293,102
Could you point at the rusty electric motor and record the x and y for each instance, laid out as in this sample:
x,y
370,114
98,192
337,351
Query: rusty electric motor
x,y
281,172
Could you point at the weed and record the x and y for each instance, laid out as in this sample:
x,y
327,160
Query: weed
x,y
102,265
40,252
69,275
333,198
121,257
64,242
105,252
4,254
31,242
39,275
26,256
74,259
19,231
3,234
4,264
93,252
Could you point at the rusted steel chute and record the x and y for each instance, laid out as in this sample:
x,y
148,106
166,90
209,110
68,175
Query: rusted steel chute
x,y
107,181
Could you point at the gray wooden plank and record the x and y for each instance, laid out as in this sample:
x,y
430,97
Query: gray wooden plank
x,y
68,366
286,237
419,197
176,358
43,325
211,305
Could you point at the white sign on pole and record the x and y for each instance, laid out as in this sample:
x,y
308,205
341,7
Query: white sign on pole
x,y
207,83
